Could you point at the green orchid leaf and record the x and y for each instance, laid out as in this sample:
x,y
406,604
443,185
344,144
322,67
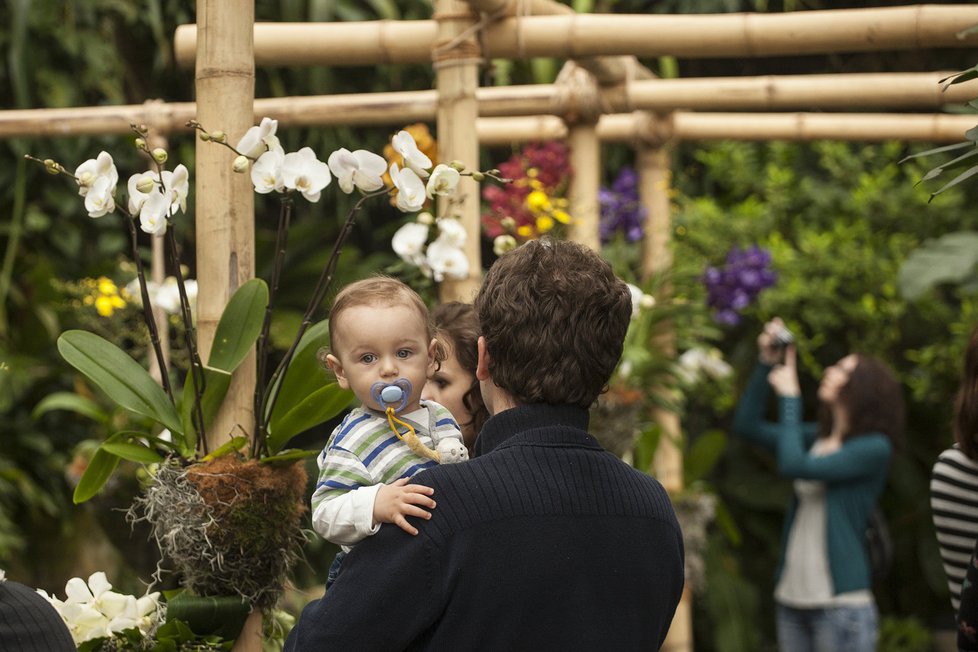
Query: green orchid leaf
x,y
132,451
288,456
937,150
240,325
305,374
216,383
703,455
204,615
233,445
119,376
100,469
964,176
73,403
322,405
949,259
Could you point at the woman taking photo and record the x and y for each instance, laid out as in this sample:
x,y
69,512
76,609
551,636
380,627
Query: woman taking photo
x,y
839,467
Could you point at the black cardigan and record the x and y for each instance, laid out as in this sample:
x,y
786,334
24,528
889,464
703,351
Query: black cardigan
x,y
544,541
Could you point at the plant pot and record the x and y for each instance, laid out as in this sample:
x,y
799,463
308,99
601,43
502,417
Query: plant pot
x,y
230,526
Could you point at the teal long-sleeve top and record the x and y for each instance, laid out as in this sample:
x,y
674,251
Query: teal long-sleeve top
x,y
854,476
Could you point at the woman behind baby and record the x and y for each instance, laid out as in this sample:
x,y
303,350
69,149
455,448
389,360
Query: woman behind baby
x,y
382,348
453,383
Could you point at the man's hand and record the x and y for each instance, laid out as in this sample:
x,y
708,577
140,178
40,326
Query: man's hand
x,y
399,499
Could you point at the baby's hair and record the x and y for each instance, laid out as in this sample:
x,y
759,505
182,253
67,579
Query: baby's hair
x,y
379,291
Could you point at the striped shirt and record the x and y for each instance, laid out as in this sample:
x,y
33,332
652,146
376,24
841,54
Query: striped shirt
x,y
954,507
363,453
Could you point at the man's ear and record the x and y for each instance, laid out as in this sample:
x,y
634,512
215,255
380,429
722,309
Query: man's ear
x,y
336,367
482,369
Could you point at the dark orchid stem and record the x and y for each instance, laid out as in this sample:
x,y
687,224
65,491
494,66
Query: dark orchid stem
x,y
319,293
281,238
196,368
148,316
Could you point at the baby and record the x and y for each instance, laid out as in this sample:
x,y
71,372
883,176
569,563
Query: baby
x,y
382,348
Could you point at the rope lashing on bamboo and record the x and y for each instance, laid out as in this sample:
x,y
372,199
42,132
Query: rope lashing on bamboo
x,y
461,49
577,97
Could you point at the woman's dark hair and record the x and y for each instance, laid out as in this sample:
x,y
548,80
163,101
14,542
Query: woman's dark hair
x,y
457,322
965,420
873,400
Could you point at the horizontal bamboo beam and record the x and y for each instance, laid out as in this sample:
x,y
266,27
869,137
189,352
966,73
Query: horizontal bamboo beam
x,y
588,35
692,126
882,90
626,127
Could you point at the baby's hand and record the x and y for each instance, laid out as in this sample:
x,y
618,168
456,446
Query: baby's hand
x,y
399,499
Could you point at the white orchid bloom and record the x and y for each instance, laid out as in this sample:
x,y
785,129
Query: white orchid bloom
x,y
640,300
404,144
410,189
141,186
166,296
360,169
302,171
148,611
443,181
451,231
85,622
503,243
408,242
447,261
260,139
99,199
177,184
153,215
94,169
266,174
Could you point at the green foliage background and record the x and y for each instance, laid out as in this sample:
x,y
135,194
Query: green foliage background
x,y
838,218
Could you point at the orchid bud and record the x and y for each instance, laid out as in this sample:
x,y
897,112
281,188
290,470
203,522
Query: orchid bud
x,y
142,128
502,244
159,155
145,185
204,136
647,301
241,164
425,218
508,223
478,176
495,172
140,143
218,137
51,166
458,165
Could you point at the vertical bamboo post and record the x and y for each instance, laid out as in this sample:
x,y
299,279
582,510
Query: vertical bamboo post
x,y
225,83
654,175
578,90
456,58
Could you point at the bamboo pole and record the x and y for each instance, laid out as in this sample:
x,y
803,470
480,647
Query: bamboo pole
x,y
577,89
654,174
225,86
917,90
325,110
643,35
456,57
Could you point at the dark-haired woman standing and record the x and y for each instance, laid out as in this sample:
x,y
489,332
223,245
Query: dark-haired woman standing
x,y
839,467
954,501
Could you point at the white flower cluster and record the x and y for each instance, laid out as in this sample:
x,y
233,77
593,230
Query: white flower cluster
x,y
92,610
698,363
640,300
165,295
442,258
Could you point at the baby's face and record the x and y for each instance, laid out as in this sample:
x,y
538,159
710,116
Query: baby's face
x,y
381,344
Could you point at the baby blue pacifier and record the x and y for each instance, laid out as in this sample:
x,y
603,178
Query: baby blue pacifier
x,y
392,395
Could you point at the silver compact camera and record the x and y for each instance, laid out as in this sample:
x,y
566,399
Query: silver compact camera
x,y
782,338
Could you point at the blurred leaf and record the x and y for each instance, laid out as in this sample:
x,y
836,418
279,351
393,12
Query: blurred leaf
x,y
318,407
72,402
99,470
948,259
128,446
216,383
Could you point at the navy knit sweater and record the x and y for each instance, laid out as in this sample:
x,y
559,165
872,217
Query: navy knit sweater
x,y
543,541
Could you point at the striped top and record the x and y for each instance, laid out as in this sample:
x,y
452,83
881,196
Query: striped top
x,y
362,454
954,507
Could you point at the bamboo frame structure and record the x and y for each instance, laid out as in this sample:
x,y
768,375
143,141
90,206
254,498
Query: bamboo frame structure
x,y
913,91
225,84
578,36
456,57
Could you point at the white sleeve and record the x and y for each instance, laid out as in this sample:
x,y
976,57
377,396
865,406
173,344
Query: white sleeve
x,y
347,518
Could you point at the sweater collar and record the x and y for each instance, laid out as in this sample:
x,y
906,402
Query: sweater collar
x,y
549,423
